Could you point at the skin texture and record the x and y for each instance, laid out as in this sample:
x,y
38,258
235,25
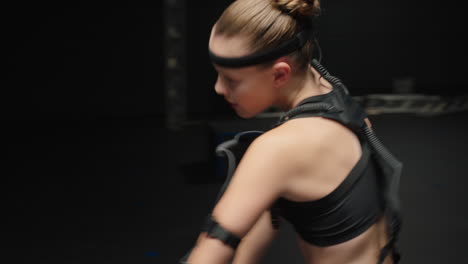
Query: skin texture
x,y
301,160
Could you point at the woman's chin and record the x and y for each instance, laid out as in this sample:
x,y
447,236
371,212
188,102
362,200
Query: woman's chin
x,y
246,115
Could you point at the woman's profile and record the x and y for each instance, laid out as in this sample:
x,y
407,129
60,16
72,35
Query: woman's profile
x,y
320,168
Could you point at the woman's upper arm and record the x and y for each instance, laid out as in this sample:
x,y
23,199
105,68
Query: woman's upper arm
x,y
255,244
258,181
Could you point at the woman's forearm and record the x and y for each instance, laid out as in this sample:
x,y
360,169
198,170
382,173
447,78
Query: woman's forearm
x,y
255,244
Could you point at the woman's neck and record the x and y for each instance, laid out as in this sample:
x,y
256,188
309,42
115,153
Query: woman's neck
x,y
301,87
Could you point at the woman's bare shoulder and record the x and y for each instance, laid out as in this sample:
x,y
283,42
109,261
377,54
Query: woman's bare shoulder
x,y
320,154
294,133
312,137
285,138
291,142
315,130
279,148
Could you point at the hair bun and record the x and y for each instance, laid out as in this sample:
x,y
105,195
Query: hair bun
x,y
298,8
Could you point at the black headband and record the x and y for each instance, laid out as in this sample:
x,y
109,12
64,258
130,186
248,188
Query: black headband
x,y
287,47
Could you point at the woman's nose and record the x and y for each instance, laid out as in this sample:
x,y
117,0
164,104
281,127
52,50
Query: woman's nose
x,y
219,87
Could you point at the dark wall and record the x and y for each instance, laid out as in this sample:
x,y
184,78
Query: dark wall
x,y
94,58
89,58
367,44
201,75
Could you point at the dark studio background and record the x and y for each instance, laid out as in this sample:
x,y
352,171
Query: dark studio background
x,y
91,174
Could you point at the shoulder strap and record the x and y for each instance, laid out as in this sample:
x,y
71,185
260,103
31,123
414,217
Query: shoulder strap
x,y
337,105
391,173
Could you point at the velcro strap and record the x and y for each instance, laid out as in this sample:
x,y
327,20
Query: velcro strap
x,y
215,230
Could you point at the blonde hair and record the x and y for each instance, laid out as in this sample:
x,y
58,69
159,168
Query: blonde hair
x,y
268,23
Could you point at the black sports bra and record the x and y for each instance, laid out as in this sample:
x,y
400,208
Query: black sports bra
x,y
343,214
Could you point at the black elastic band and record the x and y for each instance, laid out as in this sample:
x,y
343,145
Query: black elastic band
x,y
263,56
215,230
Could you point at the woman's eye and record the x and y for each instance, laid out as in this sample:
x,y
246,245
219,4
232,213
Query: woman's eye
x,y
230,82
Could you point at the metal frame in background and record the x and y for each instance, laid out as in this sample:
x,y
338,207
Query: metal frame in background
x,y
419,104
175,66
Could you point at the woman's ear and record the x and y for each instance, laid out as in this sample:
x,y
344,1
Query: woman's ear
x,y
281,73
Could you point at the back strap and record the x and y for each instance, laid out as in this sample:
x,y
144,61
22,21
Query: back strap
x,y
384,252
391,170
311,109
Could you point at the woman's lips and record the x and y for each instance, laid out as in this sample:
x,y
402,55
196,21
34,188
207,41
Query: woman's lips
x,y
232,104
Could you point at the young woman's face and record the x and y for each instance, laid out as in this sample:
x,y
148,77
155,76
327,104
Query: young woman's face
x,y
249,90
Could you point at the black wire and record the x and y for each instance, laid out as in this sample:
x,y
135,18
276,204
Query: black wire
x,y
319,50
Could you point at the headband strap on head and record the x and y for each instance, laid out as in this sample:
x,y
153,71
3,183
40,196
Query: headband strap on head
x,y
285,48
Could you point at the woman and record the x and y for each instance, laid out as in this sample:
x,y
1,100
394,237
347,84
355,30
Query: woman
x,y
314,169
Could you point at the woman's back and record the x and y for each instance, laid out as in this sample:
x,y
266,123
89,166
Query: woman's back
x,y
327,152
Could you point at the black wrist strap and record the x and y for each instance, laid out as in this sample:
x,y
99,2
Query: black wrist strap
x,y
215,230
